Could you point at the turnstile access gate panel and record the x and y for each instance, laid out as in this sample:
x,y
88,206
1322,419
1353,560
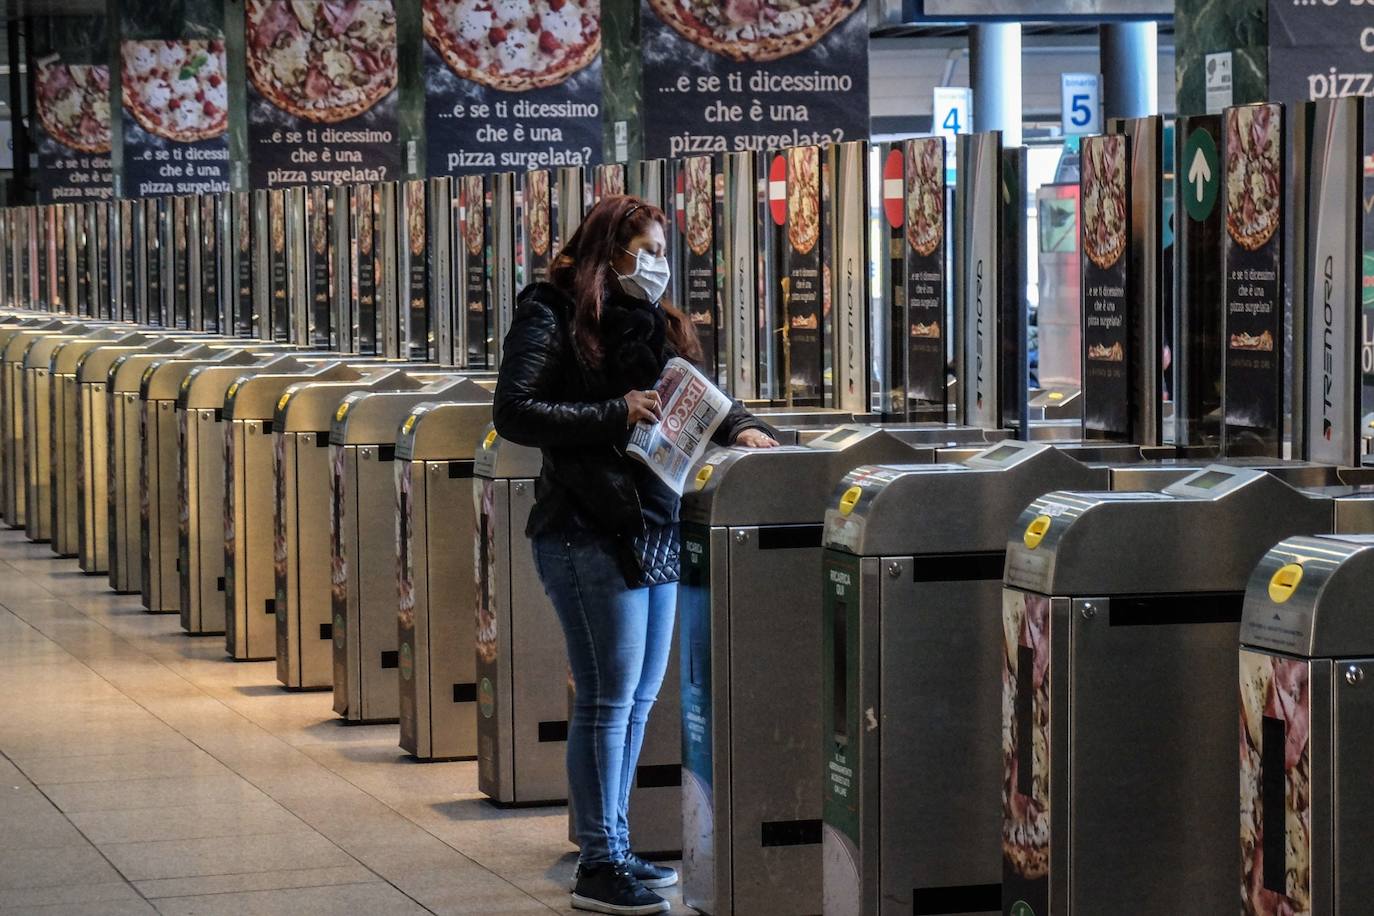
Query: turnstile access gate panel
x,y
1307,729
435,581
749,614
14,442
1120,621
200,539
363,552
250,592
301,533
160,486
127,507
96,450
522,725
66,477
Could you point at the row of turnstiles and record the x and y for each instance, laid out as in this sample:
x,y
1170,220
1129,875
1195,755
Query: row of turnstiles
x,y
880,701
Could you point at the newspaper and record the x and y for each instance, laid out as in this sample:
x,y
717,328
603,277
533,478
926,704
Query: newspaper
x,y
692,409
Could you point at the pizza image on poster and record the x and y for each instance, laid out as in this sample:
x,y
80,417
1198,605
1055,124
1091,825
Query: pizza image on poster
x,y
1026,770
415,216
754,30
925,195
1104,200
175,89
537,206
803,198
698,200
1254,189
514,46
322,60
73,103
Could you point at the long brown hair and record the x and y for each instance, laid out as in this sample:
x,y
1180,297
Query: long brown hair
x,y
583,271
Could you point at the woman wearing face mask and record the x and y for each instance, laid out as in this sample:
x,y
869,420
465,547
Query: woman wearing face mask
x,y
579,365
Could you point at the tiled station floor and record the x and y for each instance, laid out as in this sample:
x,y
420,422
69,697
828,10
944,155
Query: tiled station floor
x,y
141,772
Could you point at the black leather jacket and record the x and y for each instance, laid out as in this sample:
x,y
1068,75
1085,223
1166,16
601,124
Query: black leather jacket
x,y
548,397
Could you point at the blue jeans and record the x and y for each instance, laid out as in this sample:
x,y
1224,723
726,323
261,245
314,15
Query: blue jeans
x,y
618,642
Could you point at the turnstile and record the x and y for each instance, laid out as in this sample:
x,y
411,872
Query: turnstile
x,y
201,493
128,509
301,531
1307,729
522,725
362,552
749,616
65,421
12,414
1119,707
96,450
250,587
435,581
160,485
40,436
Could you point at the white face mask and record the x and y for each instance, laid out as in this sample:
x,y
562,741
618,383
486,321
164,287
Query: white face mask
x,y
649,279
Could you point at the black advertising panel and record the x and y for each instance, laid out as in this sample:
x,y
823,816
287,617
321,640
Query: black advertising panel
x,y
322,98
511,86
153,255
124,241
181,267
920,209
175,101
698,187
1104,236
415,273
56,240
537,225
476,309
278,315
1197,347
242,255
717,80
211,253
1253,185
363,240
794,198
318,265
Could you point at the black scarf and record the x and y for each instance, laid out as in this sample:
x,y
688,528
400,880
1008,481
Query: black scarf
x,y
634,336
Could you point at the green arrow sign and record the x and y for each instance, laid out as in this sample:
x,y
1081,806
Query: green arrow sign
x,y
1200,173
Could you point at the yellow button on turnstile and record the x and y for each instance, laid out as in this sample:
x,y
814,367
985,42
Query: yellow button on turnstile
x,y
342,411
409,424
490,440
1056,395
281,402
1284,583
1036,531
850,499
704,474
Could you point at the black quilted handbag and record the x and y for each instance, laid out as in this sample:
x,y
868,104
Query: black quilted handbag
x,y
653,559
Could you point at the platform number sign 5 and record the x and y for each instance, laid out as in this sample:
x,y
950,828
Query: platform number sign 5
x,y
952,111
1080,95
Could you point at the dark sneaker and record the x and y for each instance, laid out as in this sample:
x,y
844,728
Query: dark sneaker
x,y
611,888
649,874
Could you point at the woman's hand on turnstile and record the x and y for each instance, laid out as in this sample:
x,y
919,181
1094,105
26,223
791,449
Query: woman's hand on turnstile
x,y
752,437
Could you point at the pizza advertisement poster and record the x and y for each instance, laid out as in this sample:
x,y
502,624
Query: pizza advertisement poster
x,y
921,199
1275,814
725,77
175,111
322,99
474,204
511,84
1252,269
794,204
72,103
697,185
537,223
413,222
1025,752
1103,234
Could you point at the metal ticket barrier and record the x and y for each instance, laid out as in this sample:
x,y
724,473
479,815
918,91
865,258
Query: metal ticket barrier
x,y
1120,622
1056,404
95,450
250,590
1307,724
159,485
749,609
911,612
127,507
435,581
363,553
522,727
301,536
39,433
201,493
67,431
12,411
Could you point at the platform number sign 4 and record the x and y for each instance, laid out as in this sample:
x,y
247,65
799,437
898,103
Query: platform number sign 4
x,y
1080,100
952,111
